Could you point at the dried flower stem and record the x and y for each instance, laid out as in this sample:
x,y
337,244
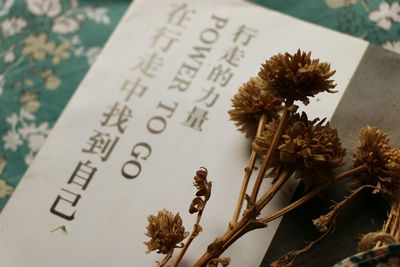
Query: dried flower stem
x,y
246,224
196,228
394,221
325,223
288,259
278,183
166,259
248,172
391,225
252,213
325,220
249,221
267,158
215,249
390,233
312,194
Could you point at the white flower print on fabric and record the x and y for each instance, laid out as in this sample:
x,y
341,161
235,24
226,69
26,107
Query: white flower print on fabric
x,y
92,54
392,46
12,140
65,25
49,8
12,26
386,14
25,131
5,189
10,56
98,14
5,6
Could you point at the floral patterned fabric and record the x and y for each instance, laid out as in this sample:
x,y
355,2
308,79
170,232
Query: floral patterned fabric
x,y
377,21
47,46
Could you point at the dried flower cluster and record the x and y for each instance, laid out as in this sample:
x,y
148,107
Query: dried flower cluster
x,y
166,231
297,77
381,159
251,102
312,148
286,143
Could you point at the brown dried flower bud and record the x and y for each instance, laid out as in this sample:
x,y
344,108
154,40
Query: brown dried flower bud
x,y
201,183
324,221
165,231
381,159
297,77
252,101
310,147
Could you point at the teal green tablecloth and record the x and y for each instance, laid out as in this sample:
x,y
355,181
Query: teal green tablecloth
x,y
47,46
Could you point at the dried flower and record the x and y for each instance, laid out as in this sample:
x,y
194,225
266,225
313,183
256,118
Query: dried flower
x,y
310,147
200,182
297,77
252,101
381,159
393,162
323,221
165,231
203,191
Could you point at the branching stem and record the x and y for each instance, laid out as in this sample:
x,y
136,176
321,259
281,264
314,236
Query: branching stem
x,y
267,158
312,194
166,259
195,231
248,171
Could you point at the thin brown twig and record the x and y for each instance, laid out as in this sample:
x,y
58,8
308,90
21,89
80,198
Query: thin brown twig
x,y
195,231
312,194
279,182
248,172
394,226
391,225
166,259
325,220
289,258
268,156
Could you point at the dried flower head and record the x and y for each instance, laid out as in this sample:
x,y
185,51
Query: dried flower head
x,y
381,159
201,183
252,101
297,77
393,163
312,148
165,231
203,191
